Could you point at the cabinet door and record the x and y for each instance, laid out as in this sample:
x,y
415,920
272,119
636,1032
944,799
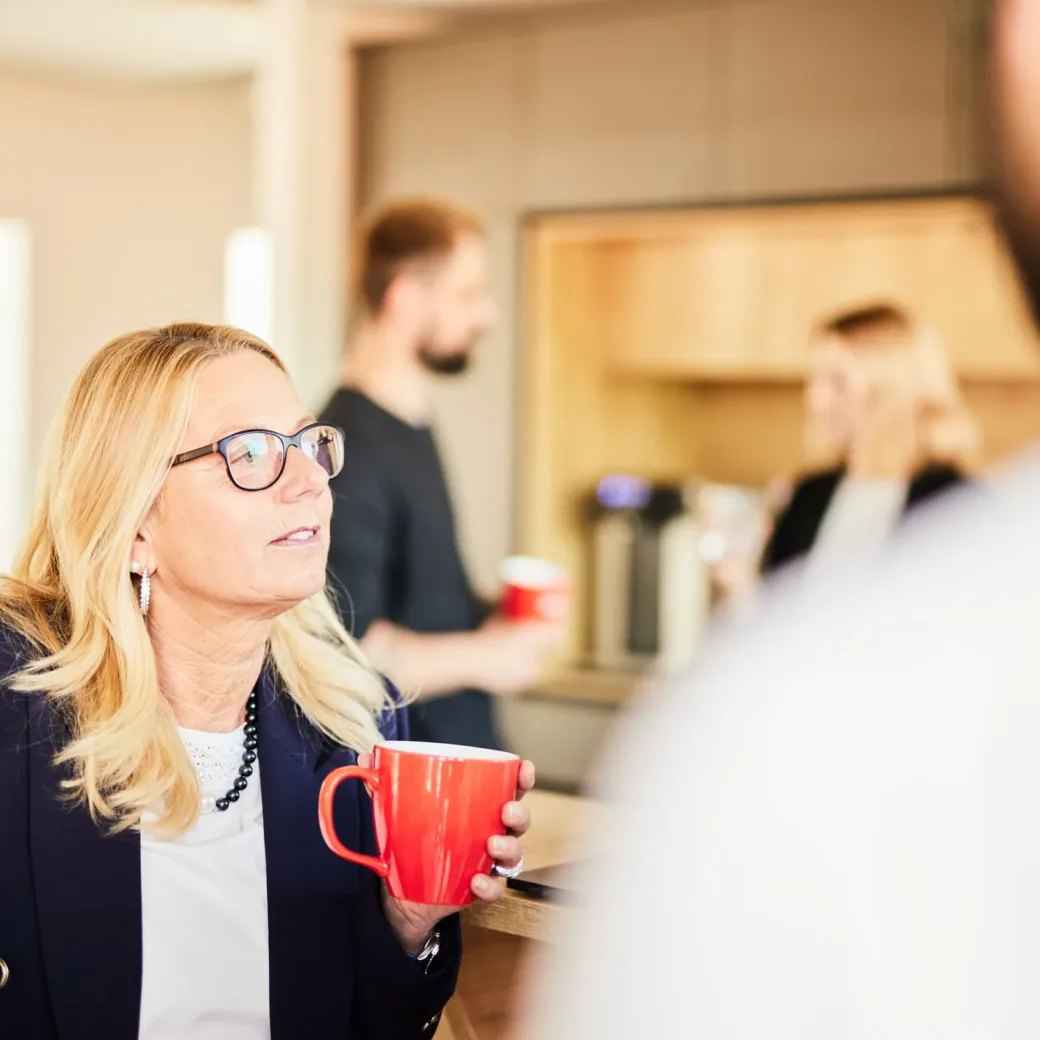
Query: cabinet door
x,y
684,301
942,260
738,293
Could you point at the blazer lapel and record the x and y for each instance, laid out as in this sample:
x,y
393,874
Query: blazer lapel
x,y
308,887
88,895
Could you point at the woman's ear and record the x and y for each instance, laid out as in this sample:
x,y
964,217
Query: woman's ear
x,y
142,555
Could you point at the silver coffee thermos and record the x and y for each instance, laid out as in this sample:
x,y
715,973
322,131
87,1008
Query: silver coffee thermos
x,y
649,586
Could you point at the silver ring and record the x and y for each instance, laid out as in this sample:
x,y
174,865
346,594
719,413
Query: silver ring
x,y
508,872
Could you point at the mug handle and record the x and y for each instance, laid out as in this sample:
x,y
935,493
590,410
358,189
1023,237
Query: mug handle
x,y
328,829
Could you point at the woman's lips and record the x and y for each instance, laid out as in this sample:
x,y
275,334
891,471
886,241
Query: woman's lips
x,y
302,536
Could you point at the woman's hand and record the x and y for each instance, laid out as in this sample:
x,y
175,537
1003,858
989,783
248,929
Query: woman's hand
x,y
413,923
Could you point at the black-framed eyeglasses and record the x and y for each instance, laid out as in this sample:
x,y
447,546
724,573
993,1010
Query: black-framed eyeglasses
x,y
255,459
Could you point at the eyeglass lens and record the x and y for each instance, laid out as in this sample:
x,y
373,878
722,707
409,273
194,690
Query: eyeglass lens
x,y
255,459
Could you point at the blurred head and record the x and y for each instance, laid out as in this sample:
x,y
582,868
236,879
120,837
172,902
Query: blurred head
x,y
881,395
109,498
1015,69
423,270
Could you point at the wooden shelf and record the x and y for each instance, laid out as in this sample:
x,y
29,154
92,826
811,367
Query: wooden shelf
x,y
751,375
702,371
590,686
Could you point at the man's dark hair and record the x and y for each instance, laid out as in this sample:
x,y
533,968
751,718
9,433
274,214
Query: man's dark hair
x,y
403,233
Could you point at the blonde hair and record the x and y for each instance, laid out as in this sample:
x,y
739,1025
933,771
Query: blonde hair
x,y
70,591
913,409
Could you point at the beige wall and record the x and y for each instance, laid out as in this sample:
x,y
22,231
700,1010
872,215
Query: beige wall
x,y
659,103
129,193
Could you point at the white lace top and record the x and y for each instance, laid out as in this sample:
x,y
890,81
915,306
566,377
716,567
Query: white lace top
x,y
217,757
204,911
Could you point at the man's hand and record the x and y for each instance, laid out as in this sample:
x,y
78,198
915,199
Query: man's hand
x,y
512,655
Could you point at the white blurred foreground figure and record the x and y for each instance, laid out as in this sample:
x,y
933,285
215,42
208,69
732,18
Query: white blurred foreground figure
x,y
831,829
836,835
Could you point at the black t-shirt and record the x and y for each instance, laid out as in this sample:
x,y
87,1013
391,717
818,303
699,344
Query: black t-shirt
x,y
394,554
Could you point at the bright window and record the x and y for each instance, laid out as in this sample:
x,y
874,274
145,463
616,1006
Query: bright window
x,y
247,281
14,383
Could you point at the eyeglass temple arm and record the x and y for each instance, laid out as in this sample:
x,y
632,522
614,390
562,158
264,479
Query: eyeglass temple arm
x,y
197,453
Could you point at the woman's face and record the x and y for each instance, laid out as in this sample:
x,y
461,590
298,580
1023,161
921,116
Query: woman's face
x,y
829,394
210,543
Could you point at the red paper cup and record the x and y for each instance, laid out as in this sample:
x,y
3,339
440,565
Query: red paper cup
x,y
434,806
534,590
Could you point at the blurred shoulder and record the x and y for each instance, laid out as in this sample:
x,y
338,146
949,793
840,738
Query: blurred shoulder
x,y
933,479
817,480
361,419
812,490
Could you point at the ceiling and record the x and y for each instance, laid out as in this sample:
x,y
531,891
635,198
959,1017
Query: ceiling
x,y
133,39
163,40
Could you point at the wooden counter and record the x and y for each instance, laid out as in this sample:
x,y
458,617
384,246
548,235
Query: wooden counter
x,y
497,939
612,689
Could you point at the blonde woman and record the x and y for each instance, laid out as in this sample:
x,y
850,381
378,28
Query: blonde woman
x,y
174,686
886,420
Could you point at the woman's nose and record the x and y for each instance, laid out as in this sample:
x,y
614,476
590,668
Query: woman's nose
x,y
302,475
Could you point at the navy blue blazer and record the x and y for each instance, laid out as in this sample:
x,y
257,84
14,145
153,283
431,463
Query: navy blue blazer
x,y
70,895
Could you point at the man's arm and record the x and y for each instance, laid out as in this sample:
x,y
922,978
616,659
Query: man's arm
x,y
498,657
430,664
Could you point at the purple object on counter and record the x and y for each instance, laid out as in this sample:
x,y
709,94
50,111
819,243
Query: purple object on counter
x,y
619,491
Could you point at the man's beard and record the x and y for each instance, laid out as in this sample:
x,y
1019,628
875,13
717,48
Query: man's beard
x,y
452,364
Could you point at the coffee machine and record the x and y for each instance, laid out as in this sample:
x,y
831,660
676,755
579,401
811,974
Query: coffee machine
x,y
649,587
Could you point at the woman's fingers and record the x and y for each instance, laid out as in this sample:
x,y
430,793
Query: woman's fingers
x,y
516,817
488,889
526,779
505,850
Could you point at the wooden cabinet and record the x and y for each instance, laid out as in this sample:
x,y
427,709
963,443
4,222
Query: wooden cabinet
x,y
712,311
686,299
735,293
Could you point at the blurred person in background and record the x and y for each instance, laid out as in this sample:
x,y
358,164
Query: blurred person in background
x,y
884,411
394,555
886,419
830,828
174,688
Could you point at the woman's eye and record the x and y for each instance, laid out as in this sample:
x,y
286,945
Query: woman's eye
x,y
244,456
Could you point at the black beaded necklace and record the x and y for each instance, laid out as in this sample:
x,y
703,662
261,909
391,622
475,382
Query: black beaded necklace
x,y
245,770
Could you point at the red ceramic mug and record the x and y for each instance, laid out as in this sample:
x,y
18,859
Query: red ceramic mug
x,y
435,806
534,590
